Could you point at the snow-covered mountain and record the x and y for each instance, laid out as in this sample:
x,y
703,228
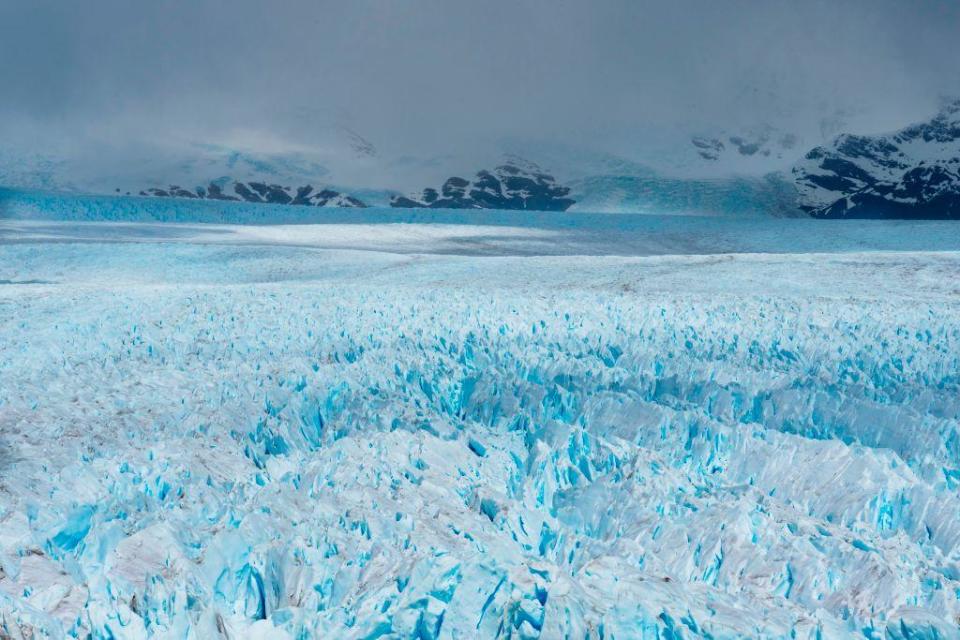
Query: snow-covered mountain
x,y
246,167
911,173
339,166
514,185
259,192
563,178
759,170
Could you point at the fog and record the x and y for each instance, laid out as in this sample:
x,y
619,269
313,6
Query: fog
x,y
425,77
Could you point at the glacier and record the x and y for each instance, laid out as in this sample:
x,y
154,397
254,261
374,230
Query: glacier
x,y
470,426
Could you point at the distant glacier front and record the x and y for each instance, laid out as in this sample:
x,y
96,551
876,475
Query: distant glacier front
x,y
474,424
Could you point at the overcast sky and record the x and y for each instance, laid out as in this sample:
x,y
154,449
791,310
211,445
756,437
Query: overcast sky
x,y
434,74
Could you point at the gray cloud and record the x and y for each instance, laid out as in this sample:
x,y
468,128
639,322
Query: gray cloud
x,y
436,75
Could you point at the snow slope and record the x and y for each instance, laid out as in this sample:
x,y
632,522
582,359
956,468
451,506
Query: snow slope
x,y
912,173
437,431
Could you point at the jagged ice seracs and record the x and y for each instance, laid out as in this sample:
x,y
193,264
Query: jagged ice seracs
x,y
224,441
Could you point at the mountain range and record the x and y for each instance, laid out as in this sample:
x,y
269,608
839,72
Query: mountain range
x,y
913,172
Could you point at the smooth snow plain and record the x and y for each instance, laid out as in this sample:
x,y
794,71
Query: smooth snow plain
x,y
450,429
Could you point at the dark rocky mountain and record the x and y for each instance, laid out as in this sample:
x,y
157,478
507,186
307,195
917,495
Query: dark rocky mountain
x,y
261,192
509,186
912,173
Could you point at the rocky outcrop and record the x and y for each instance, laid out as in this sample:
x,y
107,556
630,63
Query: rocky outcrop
x,y
509,186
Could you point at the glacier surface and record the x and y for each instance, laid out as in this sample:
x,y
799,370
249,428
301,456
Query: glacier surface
x,y
445,431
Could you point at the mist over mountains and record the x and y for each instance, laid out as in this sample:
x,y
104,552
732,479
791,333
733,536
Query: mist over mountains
x,y
907,173
632,106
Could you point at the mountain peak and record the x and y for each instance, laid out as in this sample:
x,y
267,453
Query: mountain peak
x,y
910,173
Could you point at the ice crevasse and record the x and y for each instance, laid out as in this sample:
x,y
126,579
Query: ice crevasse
x,y
365,462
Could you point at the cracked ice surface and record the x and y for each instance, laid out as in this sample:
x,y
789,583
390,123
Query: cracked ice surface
x,y
222,441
